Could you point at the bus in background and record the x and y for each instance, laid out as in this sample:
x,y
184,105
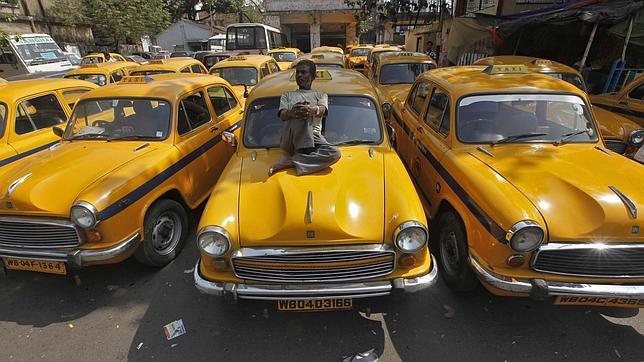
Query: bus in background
x,y
30,54
217,43
253,37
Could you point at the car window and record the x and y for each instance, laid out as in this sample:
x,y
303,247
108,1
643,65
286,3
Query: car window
x,y
437,116
117,76
417,97
151,72
349,119
490,118
402,73
98,79
265,70
237,75
637,93
185,70
274,67
193,112
196,69
221,99
71,96
283,56
38,113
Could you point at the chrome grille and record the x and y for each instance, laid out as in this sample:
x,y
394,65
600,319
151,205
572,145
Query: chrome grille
x,y
28,233
299,266
616,146
591,260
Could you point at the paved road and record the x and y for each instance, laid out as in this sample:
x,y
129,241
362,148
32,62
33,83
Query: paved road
x,y
118,311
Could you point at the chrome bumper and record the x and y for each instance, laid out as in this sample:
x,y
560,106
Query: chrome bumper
x,y
314,291
75,258
539,288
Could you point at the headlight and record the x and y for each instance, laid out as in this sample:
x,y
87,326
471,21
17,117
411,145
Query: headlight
x,y
83,214
636,138
410,236
524,236
214,241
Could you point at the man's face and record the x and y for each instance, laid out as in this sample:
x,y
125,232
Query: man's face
x,y
303,76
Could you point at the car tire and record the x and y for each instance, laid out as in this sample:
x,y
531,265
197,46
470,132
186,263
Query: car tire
x,y
165,230
453,254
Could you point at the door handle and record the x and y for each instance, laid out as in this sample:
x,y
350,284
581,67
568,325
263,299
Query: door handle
x,y
213,128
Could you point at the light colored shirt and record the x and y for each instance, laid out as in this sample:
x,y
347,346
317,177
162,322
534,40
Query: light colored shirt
x,y
298,133
290,99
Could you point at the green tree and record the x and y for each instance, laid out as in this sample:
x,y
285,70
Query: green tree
x,y
245,9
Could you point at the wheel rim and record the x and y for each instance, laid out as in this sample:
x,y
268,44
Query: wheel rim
x,y
166,233
449,252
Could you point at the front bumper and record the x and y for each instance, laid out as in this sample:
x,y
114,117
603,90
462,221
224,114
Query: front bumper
x,y
77,258
314,291
541,289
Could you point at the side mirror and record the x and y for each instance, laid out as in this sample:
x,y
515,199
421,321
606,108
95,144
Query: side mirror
x,y
386,110
58,131
245,91
392,135
229,138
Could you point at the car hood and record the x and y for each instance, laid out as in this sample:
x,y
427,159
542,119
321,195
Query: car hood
x,y
396,91
284,65
343,204
49,182
614,126
570,186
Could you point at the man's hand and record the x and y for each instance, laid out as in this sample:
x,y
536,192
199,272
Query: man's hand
x,y
304,110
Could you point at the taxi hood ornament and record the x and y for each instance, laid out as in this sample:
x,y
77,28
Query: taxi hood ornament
x,y
630,205
15,184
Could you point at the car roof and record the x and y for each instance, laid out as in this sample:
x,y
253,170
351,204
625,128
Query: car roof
x,y
283,49
467,80
533,64
243,61
405,57
105,67
325,49
362,47
166,86
173,64
321,58
12,91
99,55
342,82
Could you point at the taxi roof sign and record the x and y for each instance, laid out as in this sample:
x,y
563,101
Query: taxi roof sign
x,y
136,79
317,56
319,75
157,61
542,62
89,65
506,69
237,57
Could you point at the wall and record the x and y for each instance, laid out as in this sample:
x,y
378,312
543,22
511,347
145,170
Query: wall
x,y
304,5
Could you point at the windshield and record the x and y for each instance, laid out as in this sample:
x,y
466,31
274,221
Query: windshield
x,y
245,37
402,73
350,119
360,52
490,118
283,56
571,78
329,66
98,79
151,72
39,50
120,118
237,75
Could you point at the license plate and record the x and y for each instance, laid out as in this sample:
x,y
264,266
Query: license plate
x,y
310,305
601,301
42,266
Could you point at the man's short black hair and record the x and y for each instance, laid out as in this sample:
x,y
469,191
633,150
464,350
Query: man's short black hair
x,y
310,64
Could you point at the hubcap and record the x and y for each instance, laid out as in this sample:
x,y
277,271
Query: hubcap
x,y
449,252
166,233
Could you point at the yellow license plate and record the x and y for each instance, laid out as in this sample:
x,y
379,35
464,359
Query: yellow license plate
x,y
42,266
601,301
311,305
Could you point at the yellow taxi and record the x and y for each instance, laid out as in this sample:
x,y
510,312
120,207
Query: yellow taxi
x,y
629,101
323,60
170,65
395,72
102,73
100,58
522,194
244,71
135,158
357,57
620,134
324,238
377,49
284,56
28,111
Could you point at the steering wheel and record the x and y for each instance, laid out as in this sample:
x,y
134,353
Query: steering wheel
x,y
101,123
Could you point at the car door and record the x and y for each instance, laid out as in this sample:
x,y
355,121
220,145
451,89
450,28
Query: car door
x,y
6,151
33,120
195,129
632,102
432,141
227,111
410,113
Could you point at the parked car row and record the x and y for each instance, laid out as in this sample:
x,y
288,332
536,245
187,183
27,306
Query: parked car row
x,y
501,170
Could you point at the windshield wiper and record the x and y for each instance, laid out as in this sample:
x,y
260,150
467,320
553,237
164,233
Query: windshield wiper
x,y
517,137
354,142
88,135
129,137
565,138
